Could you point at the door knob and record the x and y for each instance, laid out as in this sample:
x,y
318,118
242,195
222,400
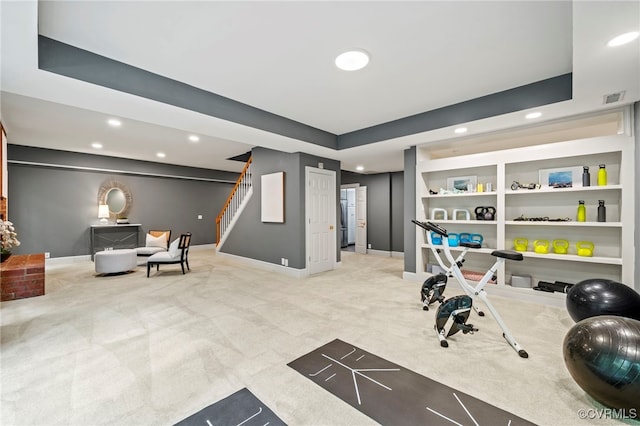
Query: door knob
x,y
331,227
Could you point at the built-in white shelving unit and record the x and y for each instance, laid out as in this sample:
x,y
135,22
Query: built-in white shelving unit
x,y
613,256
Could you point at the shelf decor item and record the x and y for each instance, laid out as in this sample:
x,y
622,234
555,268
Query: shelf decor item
x,y
560,246
485,213
462,183
582,212
585,248
541,246
466,215
602,175
520,244
565,177
439,214
586,176
602,211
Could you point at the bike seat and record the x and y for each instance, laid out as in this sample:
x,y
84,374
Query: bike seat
x,y
471,244
507,254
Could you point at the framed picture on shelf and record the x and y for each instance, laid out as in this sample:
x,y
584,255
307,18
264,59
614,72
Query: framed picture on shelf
x,y
462,183
563,177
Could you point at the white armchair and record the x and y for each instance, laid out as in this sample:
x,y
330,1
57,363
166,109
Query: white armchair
x,y
178,253
156,242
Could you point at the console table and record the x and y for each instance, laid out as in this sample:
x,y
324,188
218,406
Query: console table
x,y
125,236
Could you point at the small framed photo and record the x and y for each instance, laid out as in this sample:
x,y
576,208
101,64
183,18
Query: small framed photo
x,y
563,177
462,183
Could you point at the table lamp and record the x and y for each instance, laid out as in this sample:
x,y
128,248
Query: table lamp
x,y
103,214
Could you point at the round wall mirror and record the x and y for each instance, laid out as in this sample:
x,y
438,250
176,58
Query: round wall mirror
x,y
117,196
116,200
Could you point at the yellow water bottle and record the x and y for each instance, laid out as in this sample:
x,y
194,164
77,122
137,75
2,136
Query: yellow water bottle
x,y
602,175
582,212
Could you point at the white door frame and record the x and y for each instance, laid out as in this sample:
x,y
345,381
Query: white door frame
x,y
332,208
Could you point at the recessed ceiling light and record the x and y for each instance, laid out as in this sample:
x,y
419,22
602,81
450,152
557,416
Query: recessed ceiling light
x,y
96,145
352,60
461,130
194,138
359,168
623,39
114,123
161,155
532,115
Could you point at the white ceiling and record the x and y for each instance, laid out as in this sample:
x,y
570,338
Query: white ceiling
x,y
278,56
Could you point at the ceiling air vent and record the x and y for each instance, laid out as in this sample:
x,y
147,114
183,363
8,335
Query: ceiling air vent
x,y
613,98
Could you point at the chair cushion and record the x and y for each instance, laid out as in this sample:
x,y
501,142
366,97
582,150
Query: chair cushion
x,y
173,248
160,241
148,251
164,257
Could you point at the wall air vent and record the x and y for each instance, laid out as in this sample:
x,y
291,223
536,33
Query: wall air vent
x,y
613,98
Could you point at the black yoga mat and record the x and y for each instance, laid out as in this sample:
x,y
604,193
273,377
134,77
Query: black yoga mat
x,y
239,409
391,394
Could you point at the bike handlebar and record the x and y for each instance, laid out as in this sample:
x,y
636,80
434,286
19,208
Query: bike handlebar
x,y
429,226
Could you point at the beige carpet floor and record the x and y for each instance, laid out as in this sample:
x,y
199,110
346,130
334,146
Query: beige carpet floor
x,y
131,350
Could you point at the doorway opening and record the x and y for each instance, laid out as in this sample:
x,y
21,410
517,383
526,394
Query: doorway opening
x,y
348,219
353,215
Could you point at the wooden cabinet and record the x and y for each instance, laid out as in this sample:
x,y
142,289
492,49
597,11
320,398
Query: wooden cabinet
x,y
613,255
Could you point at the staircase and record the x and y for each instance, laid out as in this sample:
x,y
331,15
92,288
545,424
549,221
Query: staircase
x,y
239,197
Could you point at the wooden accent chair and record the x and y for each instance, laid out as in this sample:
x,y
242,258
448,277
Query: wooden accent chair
x,y
178,253
156,241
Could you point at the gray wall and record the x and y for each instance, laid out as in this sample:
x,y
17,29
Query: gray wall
x,y
636,170
270,242
53,207
397,212
385,209
410,157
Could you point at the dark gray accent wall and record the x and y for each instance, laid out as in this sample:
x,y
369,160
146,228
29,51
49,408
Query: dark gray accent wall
x,y
53,207
549,91
636,171
270,242
70,61
397,212
384,208
115,164
410,158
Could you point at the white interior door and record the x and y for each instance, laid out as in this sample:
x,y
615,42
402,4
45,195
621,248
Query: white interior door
x,y
361,219
321,219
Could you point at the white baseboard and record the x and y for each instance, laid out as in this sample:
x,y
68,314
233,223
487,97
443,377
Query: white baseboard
x,y
292,272
386,253
70,260
211,246
521,294
67,260
411,276
527,295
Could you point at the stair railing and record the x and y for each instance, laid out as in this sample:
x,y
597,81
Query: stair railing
x,y
234,201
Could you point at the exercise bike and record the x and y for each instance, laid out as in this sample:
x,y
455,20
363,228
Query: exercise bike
x,y
432,289
453,313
